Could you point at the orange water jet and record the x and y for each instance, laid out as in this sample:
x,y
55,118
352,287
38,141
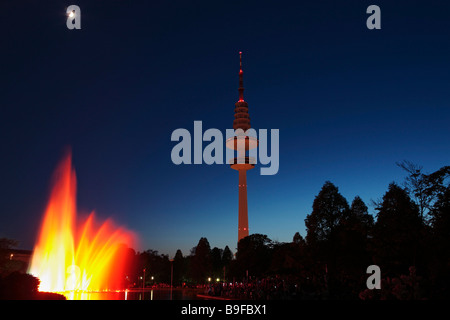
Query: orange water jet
x,y
67,258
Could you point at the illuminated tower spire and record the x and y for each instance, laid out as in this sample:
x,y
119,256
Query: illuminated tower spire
x,y
242,143
241,79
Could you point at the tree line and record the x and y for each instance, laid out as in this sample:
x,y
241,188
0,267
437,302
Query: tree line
x,y
408,237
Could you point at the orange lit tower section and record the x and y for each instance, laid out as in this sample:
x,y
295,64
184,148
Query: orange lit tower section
x,y
242,142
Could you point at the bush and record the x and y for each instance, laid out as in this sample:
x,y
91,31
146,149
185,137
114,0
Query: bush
x,y
23,286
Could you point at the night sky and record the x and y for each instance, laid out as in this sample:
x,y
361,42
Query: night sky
x,y
348,102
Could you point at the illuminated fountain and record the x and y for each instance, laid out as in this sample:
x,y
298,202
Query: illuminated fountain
x,y
70,257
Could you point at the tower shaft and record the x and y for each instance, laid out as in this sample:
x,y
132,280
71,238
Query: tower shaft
x,y
243,208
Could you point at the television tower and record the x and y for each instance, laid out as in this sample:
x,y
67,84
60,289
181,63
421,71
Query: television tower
x,y
241,142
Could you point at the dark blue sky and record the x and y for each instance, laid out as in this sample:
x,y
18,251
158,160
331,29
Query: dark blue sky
x,y
349,102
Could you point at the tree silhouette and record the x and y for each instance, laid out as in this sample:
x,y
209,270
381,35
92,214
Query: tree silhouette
x,y
359,217
201,263
216,261
329,209
415,185
323,226
440,244
155,264
424,188
179,268
351,250
441,219
298,239
397,231
227,256
254,254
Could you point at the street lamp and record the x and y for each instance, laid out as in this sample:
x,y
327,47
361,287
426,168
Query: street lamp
x,y
143,282
143,285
